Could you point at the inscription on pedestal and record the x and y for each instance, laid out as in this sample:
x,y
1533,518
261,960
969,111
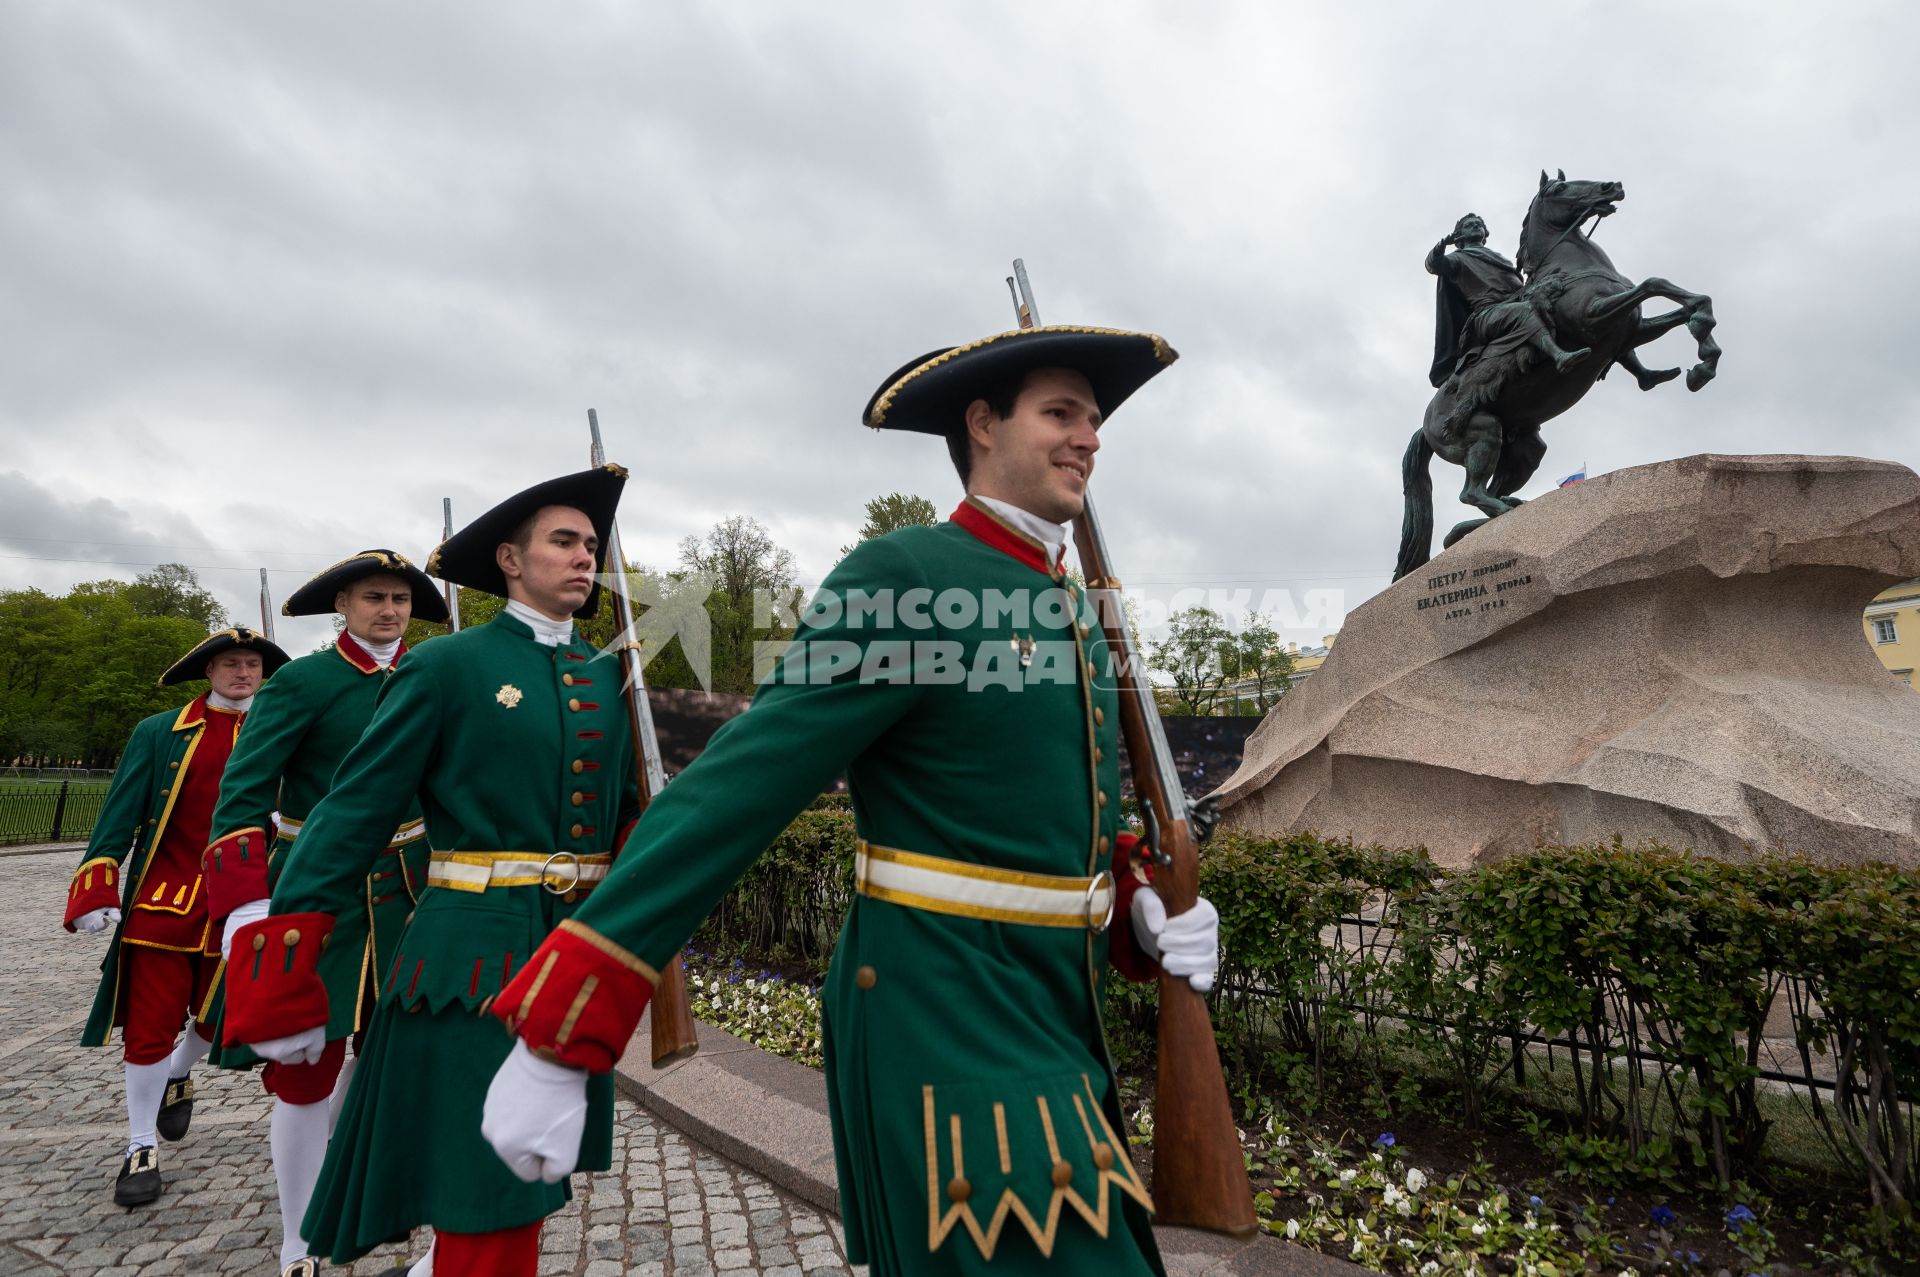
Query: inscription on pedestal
x,y
1471,591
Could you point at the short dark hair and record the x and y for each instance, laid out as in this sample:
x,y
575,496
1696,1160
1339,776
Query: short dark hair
x,y
1000,395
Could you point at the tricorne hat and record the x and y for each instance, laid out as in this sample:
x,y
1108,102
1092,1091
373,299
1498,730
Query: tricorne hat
x,y
931,394
467,557
194,664
315,598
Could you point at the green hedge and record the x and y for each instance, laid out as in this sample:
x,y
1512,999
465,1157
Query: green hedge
x,y
1657,966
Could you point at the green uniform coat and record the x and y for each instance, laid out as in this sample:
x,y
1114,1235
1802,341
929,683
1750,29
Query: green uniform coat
x,y
133,819
486,726
301,725
966,1061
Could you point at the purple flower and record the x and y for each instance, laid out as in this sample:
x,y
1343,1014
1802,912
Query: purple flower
x,y
1533,1201
1693,1257
1384,1140
1662,1216
1739,1217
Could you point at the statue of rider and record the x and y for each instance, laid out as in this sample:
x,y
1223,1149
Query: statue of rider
x,y
1485,311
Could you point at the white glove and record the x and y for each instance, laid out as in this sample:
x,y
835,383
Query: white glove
x,y
535,1115
97,920
242,916
304,1047
1187,945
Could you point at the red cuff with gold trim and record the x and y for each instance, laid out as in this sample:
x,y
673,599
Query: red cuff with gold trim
x,y
578,999
235,869
95,885
1131,871
274,988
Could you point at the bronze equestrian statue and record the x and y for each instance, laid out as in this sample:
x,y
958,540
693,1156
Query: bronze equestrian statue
x,y
1517,344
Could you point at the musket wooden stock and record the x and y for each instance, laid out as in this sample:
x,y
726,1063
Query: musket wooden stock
x,y
1199,1175
674,1035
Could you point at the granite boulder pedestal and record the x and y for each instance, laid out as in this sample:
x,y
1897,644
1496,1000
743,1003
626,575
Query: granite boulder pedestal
x,y
1671,652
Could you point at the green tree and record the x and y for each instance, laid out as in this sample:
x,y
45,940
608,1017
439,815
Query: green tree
x,y
173,590
1256,667
752,591
1191,656
892,512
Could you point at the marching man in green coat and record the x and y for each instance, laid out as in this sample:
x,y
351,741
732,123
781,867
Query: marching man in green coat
x,y
956,674
163,967
513,737
301,726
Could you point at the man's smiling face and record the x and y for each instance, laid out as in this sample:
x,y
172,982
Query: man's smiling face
x,y
1040,457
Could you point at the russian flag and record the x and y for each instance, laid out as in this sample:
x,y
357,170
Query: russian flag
x,y
1575,477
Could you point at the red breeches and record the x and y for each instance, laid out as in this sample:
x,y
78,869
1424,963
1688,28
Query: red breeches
x,y
306,1083
507,1252
164,989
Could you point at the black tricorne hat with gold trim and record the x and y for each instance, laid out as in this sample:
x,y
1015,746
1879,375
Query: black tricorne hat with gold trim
x,y
315,598
467,557
931,394
194,664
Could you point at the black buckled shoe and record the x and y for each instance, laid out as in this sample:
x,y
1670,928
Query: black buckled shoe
x,y
176,1108
308,1267
139,1181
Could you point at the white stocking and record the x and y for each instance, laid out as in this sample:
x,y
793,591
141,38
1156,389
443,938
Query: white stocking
x,y
189,1051
298,1136
146,1085
339,1096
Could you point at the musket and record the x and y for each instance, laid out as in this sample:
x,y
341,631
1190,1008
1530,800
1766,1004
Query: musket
x,y
674,1036
266,607
1199,1176
453,591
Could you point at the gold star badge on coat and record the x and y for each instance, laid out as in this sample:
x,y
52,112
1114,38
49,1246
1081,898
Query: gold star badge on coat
x,y
508,695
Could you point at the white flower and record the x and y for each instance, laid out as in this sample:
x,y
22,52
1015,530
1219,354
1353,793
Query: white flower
x,y
1293,1228
1391,1196
1478,1229
1346,1176
1416,1179
1356,1246
1429,1268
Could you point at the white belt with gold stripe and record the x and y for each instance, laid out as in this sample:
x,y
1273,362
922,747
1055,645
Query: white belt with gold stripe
x,y
290,829
560,873
939,885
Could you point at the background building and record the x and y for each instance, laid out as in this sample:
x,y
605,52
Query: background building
x,y
1892,623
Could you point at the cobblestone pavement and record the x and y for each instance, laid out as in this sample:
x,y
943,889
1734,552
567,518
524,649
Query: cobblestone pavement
x,y
672,1207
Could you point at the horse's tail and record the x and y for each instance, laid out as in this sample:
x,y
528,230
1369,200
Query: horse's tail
x,y
1416,526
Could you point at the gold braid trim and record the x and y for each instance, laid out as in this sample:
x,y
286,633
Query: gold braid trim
x,y
1161,351
612,950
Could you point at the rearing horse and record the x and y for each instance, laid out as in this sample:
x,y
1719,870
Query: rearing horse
x,y
1488,419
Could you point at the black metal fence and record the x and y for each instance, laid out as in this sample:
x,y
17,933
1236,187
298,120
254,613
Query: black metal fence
x,y
34,810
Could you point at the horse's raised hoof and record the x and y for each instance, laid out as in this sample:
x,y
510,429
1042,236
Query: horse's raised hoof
x,y
1698,376
1657,377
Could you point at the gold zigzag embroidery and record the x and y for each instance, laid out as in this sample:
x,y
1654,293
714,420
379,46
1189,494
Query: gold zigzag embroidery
x,y
1161,351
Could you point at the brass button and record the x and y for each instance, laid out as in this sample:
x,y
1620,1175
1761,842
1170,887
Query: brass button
x,y
292,937
1104,845
577,830
150,822
958,1190
1099,715
866,977
1101,798
1062,1174
243,842
573,703
165,792
567,679
579,765
1103,1157
328,936
1099,755
173,766
579,799
259,942
1085,629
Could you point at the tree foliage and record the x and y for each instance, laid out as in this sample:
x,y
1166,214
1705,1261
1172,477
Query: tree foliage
x,y
892,512
78,670
1191,656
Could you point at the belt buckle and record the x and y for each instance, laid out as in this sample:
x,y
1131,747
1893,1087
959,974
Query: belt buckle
x,y
1104,877
546,868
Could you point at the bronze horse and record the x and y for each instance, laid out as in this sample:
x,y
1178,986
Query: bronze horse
x,y
1487,419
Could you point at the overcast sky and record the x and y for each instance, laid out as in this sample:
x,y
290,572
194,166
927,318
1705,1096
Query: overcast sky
x,y
279,278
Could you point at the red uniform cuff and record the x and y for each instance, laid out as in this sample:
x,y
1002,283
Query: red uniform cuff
x,y
578,999
235,869
1131,871
95,885
274,988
